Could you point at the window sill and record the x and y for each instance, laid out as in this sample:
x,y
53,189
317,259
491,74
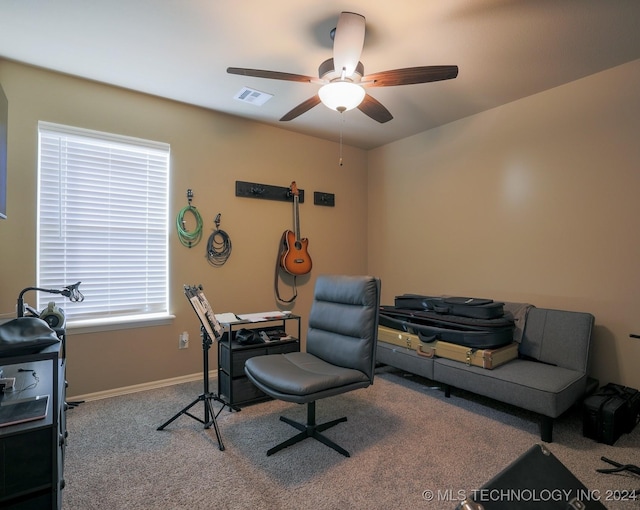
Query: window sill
x,y
117,323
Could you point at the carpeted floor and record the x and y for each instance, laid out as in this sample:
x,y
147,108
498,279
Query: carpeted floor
x,y
404,437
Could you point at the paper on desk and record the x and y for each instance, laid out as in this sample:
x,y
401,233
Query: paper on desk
x,y
264,316
227,318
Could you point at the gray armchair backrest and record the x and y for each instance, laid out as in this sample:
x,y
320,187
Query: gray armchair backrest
x,y
558,337
343,321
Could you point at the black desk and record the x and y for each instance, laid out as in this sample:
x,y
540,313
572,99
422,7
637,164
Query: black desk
x,y
31,453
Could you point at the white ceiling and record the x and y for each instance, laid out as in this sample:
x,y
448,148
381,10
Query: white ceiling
x,y
180,49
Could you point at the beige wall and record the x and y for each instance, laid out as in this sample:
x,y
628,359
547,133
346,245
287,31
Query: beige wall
x,y
536,201
210,151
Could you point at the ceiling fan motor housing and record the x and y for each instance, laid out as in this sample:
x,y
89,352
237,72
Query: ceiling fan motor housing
x,y
327,72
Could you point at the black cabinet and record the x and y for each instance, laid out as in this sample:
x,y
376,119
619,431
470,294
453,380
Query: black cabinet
x,y
234,387
32,452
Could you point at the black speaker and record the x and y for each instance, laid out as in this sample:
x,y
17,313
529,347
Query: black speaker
x,y
534,480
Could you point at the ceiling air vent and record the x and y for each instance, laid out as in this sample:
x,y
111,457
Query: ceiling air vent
x,y
247,95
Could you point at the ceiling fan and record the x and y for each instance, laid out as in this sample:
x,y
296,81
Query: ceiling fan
x,y
342,77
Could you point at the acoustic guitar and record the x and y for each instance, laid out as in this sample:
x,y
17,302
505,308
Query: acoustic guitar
x,y
295,258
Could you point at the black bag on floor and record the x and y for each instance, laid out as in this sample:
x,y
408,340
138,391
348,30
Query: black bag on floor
x,y
611,411
477,308
430,326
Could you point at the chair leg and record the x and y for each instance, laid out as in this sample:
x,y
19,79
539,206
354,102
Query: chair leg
x,y
310,430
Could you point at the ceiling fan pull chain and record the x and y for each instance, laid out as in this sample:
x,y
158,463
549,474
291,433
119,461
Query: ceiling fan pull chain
x,y
341,125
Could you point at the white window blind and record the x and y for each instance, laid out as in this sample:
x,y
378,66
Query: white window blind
x,y
103,221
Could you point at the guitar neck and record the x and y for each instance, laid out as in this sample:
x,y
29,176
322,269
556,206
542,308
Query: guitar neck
x,y
296,218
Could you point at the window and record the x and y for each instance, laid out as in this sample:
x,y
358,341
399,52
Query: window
x,y
103,221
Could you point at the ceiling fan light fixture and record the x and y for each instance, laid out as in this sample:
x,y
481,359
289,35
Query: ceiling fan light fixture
x,y
341,95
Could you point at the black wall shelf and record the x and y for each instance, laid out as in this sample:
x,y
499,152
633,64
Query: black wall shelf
x,y
266,192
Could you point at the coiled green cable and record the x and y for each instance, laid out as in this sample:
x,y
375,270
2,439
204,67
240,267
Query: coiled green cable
x,y
186,237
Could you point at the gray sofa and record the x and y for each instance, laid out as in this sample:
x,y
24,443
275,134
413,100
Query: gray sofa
x,y
548,377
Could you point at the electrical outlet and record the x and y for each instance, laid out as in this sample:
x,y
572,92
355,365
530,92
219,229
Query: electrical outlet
x,y
183,340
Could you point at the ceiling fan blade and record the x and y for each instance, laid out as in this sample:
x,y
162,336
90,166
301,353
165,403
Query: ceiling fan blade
x,y
274,75
410,75
302,108
374,109
348,42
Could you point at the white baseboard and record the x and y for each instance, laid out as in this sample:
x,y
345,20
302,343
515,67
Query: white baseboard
x,y
139,387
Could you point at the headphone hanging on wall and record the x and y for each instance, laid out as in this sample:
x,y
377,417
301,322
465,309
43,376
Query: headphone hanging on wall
x,y
53,315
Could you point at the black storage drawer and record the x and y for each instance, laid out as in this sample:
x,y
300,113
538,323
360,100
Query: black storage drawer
x,y
233,362
39,501
241,388
23,454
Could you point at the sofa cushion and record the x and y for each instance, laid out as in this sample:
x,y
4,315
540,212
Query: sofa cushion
x,y
537,387
558,337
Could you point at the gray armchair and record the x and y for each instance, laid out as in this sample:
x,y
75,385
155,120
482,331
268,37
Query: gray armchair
x,y
340,354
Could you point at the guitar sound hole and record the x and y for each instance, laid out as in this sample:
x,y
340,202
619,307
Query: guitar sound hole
x,y
298,245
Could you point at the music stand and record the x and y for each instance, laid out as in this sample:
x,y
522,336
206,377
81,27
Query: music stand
x,y
210,329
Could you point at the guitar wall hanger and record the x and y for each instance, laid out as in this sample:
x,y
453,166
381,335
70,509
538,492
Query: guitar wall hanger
x,y
322,198
266,192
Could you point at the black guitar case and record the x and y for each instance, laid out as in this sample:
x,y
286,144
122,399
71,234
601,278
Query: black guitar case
x,y
477,308
430,326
